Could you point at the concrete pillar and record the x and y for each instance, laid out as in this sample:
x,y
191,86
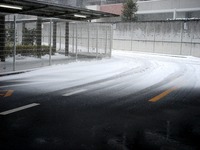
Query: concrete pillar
x,y
54,37
39,36
67,39
174,14
2,38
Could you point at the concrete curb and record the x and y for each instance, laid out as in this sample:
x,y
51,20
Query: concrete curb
x,y
15,72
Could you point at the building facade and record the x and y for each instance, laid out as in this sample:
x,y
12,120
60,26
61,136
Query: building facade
x,y
149,10
168,9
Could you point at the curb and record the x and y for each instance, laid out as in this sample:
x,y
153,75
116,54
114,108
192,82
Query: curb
x,y
14,73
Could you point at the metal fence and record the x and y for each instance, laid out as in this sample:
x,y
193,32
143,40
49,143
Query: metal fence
x,y
90,39
38,42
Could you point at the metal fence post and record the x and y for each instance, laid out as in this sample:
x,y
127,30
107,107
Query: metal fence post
x,y
73,39
162,27
146,33
106,42
131,36
43,36
60,37
88,38
50,38
111,39
182,24
154,38
81,37
191,44
97,41
14,45
76,41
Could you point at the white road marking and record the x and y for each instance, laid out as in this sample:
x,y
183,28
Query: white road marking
x,y
19,109
74,92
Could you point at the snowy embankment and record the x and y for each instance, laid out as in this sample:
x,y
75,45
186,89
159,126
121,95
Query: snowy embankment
x,y
131,70
20,58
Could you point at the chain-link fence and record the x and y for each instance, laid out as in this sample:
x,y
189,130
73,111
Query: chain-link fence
x,y
32,43
90,39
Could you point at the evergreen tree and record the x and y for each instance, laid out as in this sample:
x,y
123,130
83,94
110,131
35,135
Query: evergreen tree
x,y
128,12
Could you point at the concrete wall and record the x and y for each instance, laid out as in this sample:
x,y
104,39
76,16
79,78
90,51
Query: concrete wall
x,y
167,37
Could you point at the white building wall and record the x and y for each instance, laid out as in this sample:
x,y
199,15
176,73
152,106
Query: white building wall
x,y
178,9
166,5
167,37
161,10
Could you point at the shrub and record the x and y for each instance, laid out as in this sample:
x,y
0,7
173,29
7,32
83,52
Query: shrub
x,y
27,50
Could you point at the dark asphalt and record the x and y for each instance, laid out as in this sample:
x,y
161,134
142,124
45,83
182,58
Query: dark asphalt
x,y
97,119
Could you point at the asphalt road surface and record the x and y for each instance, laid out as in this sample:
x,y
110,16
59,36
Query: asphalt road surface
x,y
130,102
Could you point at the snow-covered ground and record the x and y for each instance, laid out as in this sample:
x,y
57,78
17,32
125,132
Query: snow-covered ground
x,y
29,58
28,62
132,71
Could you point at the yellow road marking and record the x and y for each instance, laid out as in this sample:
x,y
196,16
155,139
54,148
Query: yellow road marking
x,y
158,97
8,93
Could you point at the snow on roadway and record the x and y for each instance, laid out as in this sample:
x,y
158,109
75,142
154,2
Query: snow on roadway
x,y
185,69
146,70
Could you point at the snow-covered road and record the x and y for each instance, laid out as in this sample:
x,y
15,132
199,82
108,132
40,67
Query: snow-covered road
x,y
133,99
128,71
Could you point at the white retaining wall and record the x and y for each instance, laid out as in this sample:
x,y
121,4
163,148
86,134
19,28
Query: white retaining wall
x,y
167,37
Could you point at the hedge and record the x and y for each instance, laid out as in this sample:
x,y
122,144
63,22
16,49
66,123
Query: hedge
x,y
27,50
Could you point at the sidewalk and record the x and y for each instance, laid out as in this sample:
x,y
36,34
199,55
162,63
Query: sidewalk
x,y
26,64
